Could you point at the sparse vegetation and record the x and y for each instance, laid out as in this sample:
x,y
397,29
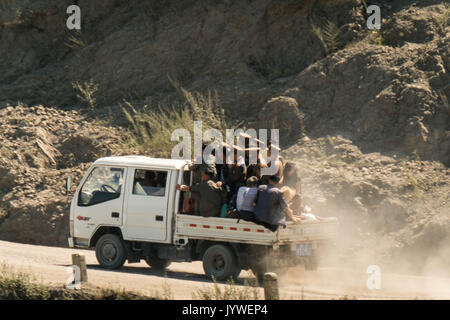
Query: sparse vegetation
x,y
152,128
229,292
76,39
87,93
329,36
21,286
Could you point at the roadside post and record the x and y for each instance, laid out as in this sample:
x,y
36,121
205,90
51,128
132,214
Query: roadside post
x,y
80,261
271,286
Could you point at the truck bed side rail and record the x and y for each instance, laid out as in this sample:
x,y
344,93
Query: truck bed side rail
x,y
224,229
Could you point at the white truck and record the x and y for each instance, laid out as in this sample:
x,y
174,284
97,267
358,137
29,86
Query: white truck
x,y
128,209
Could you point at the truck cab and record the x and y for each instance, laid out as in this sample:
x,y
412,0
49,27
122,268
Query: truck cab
x,y
128,208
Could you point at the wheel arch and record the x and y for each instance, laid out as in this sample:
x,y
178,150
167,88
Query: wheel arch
x,y
102,231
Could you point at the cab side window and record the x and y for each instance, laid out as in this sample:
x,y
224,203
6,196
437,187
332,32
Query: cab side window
x,y
150,183
103,184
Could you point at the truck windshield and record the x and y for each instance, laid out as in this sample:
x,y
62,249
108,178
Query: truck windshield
x,y
103,184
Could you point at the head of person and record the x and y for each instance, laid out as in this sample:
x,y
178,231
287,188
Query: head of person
x,y
252,182
290,168
288,193
274,180
207,174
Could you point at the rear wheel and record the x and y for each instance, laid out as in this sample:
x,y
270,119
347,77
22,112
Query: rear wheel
x,y
110,251
157,263
220,263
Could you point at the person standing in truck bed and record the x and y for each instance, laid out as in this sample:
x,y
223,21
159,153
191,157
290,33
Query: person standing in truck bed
x,y
210,194
197,168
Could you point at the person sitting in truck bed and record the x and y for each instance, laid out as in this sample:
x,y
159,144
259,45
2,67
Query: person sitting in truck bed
x,y
210,194
246,197
271,207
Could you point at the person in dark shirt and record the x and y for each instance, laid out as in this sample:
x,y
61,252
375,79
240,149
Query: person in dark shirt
x,y
271,208
197,171
210,194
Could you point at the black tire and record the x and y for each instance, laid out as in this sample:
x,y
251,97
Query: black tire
x,y
110,251
220,263
157,263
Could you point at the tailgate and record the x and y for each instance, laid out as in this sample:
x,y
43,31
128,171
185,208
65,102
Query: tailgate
x,y
326,229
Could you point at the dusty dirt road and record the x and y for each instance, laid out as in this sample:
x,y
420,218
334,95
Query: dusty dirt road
x,y
182,280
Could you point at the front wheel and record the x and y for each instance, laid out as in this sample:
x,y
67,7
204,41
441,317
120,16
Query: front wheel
x,y
220,263
110,251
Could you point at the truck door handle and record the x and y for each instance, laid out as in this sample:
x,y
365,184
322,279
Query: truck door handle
x,y
115,214
159,218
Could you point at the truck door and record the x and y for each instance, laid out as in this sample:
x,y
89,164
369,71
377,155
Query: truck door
x,y
99,200
146,205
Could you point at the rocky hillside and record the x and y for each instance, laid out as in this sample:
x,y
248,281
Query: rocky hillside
x,y
365,113
386,91
393,211
41,148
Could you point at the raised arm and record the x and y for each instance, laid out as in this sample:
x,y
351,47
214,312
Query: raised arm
x,y
183,188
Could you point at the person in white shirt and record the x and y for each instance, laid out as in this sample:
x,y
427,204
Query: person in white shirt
x,y
246,196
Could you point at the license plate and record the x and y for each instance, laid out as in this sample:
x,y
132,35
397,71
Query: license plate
x,y
303,249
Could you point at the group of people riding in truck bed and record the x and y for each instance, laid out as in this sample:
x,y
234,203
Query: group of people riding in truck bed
x,y
237,189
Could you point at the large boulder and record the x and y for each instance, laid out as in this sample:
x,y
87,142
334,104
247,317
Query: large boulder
x,y
282,113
